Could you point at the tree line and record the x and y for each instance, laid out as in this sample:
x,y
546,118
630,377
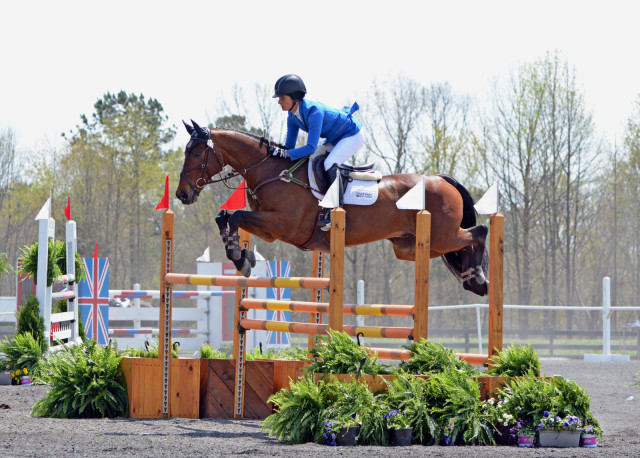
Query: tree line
x,y
570,198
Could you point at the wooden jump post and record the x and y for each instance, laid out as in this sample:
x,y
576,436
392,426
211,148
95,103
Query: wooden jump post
x,y
335,307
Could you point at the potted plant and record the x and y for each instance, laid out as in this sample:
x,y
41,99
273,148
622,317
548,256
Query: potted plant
x,y
590,433
556,431
497,414
399,426
342,431
526,434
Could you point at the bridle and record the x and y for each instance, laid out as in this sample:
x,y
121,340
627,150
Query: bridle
x,y
203,180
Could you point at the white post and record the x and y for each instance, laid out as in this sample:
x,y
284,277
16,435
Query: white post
x,y
136,305
479,326
606,315
46,230
360,301
72,304
606,355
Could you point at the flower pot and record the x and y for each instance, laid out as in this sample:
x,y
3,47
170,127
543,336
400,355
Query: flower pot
x,y
553,438
348,436
400,437
25,380
502,435
588,440
525,441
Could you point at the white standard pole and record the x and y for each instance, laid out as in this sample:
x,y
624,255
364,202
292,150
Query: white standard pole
x,y
71,248
479,326
136,305
46,230
360,301
606,315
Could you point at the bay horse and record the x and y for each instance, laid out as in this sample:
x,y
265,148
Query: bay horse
x,y
286,211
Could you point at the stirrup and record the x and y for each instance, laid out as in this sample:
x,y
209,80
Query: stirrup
x,y
325,221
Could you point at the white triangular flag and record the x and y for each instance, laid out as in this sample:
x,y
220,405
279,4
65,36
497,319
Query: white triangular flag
x,y
204,257
45,211
414,198
488,204
258,256
332,197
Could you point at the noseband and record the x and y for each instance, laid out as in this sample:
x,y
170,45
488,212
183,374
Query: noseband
x,y
203,180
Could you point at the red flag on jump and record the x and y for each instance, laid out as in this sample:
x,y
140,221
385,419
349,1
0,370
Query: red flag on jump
x,y
164,203
67,210
237,200
95,252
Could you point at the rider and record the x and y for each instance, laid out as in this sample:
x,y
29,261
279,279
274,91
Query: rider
x,y
342,133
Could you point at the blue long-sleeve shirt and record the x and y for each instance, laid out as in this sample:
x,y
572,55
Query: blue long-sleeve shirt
x,y
319,121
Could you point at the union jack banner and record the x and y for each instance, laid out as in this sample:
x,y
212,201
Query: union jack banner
x,y
278,269
93,299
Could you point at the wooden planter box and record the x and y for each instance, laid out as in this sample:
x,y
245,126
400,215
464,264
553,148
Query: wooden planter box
x,y
144,388
262,379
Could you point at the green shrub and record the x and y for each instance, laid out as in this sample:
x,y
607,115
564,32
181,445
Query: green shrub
x,y
29,321
297,418
428,357
515,362
4,264
86,382
22,351
207,351
337,353
292,353
57,261
149,352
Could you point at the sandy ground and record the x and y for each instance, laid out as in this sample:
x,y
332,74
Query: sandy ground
x,y
609,384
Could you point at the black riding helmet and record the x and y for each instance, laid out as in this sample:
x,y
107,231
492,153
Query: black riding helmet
x,y
291,85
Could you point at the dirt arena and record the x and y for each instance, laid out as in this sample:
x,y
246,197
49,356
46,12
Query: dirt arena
x,y
609,384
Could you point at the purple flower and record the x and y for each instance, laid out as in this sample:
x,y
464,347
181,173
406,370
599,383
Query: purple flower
x,y
541,426
546,413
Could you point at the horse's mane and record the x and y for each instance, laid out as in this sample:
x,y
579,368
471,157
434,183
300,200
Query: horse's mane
x,y
253,136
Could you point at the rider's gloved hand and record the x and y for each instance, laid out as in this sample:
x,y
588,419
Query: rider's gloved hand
x,y
280,152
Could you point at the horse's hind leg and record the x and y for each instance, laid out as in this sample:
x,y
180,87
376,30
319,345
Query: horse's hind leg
x,y
473,275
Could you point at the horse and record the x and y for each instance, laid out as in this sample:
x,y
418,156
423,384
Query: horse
x,y
282,206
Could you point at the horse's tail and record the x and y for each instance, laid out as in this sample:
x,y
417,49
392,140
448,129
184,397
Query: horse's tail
x,y
453,259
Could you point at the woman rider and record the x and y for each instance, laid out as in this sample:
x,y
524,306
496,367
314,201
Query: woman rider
x,y
343,135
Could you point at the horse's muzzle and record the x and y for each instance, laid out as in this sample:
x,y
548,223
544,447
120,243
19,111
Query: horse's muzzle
x,y
186,198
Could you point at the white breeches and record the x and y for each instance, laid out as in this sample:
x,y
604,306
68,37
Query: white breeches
x,y
347,147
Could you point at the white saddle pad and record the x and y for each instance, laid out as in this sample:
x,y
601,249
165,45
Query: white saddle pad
x,y
358,192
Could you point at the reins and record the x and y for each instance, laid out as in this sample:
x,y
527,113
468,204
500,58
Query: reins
x,y
285,175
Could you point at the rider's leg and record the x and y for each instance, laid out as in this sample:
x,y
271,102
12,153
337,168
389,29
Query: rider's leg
x,y
340,153
344,149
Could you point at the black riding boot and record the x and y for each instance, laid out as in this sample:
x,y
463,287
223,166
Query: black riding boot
x,y
332,173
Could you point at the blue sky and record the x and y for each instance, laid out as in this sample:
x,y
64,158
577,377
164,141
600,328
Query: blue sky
x,y
59,57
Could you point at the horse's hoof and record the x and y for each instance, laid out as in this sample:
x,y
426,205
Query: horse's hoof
x,y
246,268
250,256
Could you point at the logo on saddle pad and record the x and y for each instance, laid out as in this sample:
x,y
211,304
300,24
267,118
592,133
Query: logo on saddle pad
x,y
362,188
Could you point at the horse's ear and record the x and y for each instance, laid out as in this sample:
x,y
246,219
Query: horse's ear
x,y
202,132
189,128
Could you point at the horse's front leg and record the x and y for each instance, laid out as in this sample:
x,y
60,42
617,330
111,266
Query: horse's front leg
x,y
231,243
256,223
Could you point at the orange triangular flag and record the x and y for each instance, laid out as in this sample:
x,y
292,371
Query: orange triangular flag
x,y
67,210
237,200
164,203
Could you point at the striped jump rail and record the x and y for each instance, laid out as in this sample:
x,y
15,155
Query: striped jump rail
x,y
242,282
391,332
323,307
120,332
155,294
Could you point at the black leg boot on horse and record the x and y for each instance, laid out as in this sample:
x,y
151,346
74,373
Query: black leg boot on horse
x,y
243,259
